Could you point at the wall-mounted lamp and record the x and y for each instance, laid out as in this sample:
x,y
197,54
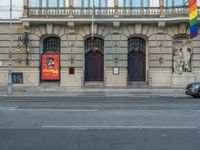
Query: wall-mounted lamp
x,y
160,59
19,60
116,59
23,41
71,59
72,56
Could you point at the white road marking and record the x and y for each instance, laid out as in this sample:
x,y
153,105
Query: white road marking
x,y
60,110
9,107
120,127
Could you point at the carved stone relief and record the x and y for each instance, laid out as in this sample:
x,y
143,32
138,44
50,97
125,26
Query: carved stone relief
x,y
182,51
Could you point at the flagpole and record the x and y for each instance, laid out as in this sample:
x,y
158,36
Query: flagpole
x,y
93,11
10,85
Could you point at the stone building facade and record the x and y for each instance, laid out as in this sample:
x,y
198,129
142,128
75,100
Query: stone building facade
x,y
112,48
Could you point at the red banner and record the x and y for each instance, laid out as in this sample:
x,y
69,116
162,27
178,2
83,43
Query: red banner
x,y
50,67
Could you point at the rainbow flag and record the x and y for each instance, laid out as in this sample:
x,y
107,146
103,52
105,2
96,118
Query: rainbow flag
x,y
193,15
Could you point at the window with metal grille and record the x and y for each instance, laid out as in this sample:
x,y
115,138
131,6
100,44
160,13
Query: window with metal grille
x,y
94,44
51,44
136,44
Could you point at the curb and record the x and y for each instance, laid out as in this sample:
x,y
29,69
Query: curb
x,y
102,93
99,96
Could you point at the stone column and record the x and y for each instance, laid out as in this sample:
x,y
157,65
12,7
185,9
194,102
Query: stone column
x,y
162,13
71,6
116,2
161,24
116,5
71,2
25,2
25,11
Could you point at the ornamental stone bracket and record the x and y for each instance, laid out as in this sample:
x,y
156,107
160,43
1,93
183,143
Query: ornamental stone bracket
x,y
49,28
71,27
116,26
26,25
161,26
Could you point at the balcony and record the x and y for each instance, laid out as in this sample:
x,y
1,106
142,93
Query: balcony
x,y
34,12
105,13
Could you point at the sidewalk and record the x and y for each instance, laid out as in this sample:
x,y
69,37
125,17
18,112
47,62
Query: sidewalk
x,y
98,92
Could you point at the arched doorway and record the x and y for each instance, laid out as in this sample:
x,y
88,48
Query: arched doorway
x,y
94,59
136,59
50,59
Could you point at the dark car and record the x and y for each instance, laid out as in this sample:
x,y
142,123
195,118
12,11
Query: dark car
x,y
193,89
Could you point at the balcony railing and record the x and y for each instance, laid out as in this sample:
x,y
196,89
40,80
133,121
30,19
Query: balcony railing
x,y
80,12
176,10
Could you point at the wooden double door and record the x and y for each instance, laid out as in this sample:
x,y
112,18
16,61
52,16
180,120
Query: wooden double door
x,y
137,59
136,66
94,66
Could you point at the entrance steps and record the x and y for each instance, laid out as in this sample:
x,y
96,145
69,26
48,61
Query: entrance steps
x,y
139,84
94,84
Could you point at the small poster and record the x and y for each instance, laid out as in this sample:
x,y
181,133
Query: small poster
x,y
50,67
116,71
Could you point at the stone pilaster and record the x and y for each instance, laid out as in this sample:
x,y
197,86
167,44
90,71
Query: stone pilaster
x,y
116,2
116,5
25,11
161,24
162,13
71,5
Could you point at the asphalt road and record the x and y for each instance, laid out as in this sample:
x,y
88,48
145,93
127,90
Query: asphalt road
x,y
99,123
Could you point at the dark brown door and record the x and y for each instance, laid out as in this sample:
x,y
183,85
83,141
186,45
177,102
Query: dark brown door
x,y
136,66
94,66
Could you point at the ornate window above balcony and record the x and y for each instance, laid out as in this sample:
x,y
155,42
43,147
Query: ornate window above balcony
x,y
175,2
91,3
47,3
135,3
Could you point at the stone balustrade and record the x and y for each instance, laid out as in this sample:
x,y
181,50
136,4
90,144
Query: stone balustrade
x,y
80,12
